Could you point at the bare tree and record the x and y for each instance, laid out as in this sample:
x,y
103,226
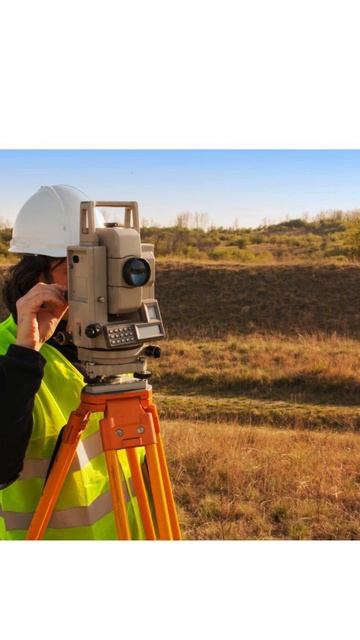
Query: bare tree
x,y
197,220
183,220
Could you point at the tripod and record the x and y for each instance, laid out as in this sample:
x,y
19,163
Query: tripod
x,y
130,421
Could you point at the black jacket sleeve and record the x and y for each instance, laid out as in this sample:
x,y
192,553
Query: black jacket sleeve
x,y
21,372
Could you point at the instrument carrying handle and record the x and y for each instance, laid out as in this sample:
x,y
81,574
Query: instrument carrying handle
x,y
131,218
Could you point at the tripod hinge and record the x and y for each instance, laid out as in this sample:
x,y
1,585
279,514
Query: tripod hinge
x,y
128,436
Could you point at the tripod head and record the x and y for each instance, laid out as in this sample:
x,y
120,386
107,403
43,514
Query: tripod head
x,y
113,314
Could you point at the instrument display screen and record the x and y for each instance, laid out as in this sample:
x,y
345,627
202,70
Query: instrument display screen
x,y
148,331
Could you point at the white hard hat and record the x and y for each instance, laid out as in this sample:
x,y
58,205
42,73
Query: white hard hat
x,y
49,222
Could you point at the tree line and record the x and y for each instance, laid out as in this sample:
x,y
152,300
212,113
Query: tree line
x,y
331,235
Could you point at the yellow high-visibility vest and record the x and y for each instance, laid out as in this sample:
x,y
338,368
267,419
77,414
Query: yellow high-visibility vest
x,y
84,507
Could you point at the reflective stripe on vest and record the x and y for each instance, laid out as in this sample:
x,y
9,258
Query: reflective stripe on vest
x,y
84,501
76,517
86,450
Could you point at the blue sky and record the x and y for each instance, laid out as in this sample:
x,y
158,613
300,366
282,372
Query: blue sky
x,y
228,185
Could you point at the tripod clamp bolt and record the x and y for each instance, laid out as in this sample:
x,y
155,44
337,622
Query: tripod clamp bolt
x,y
120,432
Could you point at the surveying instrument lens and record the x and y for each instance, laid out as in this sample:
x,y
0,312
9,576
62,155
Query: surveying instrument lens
x,y
136,272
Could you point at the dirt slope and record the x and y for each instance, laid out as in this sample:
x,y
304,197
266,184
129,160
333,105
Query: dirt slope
x,y
211,301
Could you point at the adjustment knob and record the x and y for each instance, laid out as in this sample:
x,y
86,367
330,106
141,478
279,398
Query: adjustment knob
x,y
93,330
152,351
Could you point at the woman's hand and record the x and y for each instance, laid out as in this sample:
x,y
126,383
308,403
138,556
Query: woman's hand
x,y
39,311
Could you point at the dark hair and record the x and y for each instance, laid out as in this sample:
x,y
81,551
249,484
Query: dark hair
x,y
22,276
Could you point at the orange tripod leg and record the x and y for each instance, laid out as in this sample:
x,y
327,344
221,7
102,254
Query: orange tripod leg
x,y
165,476
141,494
126,425
117,495
158,493
71,436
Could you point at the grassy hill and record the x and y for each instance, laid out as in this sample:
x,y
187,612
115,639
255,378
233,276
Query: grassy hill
x,y
333,236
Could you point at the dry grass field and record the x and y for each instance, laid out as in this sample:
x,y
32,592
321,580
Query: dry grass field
x,y
258,390
236,482
308,382
262,434
259,394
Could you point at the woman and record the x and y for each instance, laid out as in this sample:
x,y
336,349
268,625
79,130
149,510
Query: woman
x,y
41,382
